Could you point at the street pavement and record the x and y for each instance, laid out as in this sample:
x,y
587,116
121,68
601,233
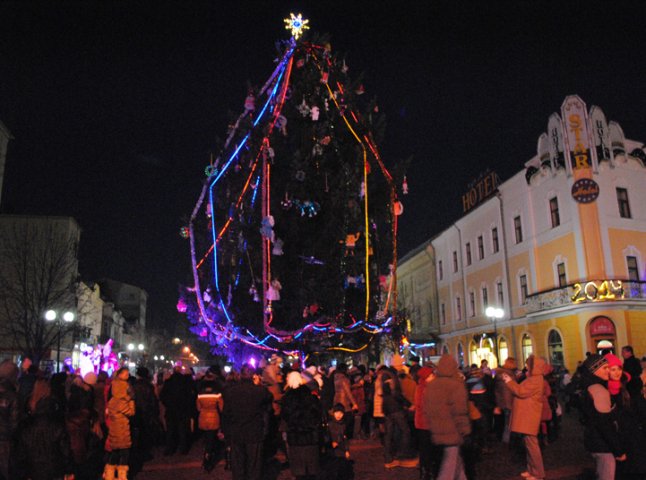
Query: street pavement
x,y
565,459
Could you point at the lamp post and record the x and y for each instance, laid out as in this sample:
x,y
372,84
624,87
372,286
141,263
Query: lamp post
x,y
494,313
53,316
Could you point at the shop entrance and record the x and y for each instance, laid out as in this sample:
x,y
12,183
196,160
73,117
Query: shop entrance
x,y
602,335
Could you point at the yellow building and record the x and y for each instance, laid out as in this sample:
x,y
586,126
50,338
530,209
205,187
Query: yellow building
x,y
559,247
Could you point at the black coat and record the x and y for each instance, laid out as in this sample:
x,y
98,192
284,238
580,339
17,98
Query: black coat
x,y
9,409
42,449
601,433
178,396
243,416
301,412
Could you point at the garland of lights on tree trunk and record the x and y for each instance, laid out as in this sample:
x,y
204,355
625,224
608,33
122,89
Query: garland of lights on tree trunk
x,y
293,238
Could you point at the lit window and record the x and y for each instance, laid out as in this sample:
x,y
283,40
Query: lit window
x,y
555,348
480,248
622,201
526,346
554,212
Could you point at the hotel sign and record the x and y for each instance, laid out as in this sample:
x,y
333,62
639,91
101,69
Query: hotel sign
x,y
576,132
585,190
479,190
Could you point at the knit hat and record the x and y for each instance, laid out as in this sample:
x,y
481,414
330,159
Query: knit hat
x,y
594,362
338,408
613,360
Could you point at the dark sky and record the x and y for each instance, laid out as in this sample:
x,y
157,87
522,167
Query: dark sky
x,y
115,106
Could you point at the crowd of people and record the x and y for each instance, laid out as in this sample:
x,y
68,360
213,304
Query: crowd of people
x,y
438,418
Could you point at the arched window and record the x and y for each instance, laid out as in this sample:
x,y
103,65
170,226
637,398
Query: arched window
x,y
460,355
555,348
503,349
526,346
473,353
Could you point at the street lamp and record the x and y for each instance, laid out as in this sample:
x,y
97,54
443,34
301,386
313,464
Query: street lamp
x,y
495,313
53,316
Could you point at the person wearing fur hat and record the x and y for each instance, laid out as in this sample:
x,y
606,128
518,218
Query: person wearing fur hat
x,y
301,415
600,436
526,413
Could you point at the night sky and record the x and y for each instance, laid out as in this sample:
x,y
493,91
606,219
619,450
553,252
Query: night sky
x,y
116,106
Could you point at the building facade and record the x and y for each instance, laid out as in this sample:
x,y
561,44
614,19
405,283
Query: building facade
x,y
559,247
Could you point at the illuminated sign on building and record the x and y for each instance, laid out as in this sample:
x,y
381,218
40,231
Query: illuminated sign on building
x,y
585,190
479,190
576,131
598,291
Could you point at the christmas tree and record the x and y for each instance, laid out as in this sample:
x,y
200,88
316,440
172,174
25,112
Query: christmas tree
x,y
293,236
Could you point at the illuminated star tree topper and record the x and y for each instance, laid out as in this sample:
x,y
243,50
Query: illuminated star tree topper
x,y
296,24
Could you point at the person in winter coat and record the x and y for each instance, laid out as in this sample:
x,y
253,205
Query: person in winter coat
x,y
209,405
526,413
343,395
340,467
121,407
629,423
429,454
301,414
178,396
43,449
9,412
447,413
504,397
243,423
600,436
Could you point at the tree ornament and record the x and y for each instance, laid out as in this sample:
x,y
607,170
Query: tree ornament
x,y
344,67
351,243
277,247
184,232
181,305
250,102
405,186
210,170
286,203
304,108
267,228
281,124
362,190
300,63
398,208
360,90
296,24
300,175
317,150
315,113
273,291
325,76
254,293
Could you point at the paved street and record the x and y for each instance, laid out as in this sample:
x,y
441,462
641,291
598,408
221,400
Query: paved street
x,y
564,460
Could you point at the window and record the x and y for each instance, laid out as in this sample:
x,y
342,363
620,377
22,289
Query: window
x,y
518,229
555,348
458,309
480,248
494,240
523,288
501,297
633,269
561,274
503,348
554,212
440,269
622,201
468,249
485,297
460,356
472,303
455,261
526,346
443,314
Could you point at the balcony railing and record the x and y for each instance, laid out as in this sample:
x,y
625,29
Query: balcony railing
x,y
593,291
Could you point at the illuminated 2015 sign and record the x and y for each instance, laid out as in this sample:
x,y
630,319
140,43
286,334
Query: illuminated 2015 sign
x,y
598,291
